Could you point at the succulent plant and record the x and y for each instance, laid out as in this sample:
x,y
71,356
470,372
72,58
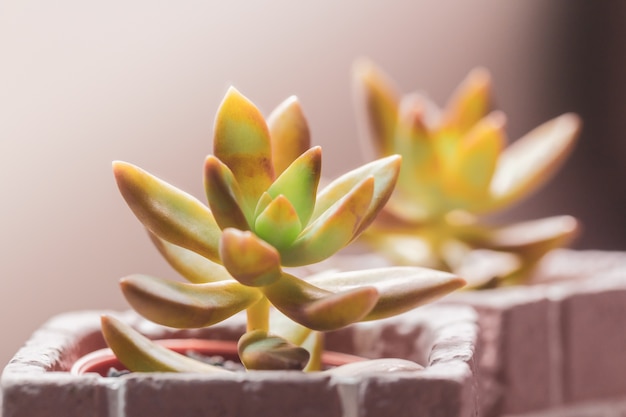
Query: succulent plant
x,y
264,215
456,169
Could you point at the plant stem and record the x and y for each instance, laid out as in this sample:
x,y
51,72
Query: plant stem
x,y
258,315
315,345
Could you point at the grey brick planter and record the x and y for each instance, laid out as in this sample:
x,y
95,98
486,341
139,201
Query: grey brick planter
x,y
554,348
37,383
557,348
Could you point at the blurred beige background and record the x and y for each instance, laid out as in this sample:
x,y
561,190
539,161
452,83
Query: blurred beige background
x,y
84,83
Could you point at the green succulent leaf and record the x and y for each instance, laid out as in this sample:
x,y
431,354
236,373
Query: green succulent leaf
x,y
195,268
385,172
417,194
400,289
262,204
469,103
278,224
224,195
299,183
319,309
260,351
413,142
289,133
377,92
333,230
469,172
249,259
168,212
183,305
140,354
242,142
531,238
531,160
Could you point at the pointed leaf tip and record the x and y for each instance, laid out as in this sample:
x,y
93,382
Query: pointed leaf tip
x,y
289,133
531,160
378,99
224,195
278,224
242,142
299,182
470,101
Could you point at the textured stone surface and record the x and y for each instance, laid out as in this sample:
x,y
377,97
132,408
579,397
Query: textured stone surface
x,y
406,396
516,372
612,408
594,345
175,395
557,343
289,394
443,338
54,394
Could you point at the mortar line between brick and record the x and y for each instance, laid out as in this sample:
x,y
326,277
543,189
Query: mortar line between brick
x,y
555,350
116,393
349,396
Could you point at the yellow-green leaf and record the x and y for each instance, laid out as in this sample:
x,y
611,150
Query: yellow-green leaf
x,y
260,351
183,305
412,139
385,172
419,176
467,175
299,183
167,211
289,133
400,289
531,160
249,259
195,268
262,204
224,195
469,103
332,230
319,309
140,354
242,141
384,183
377,96
531,238
278,224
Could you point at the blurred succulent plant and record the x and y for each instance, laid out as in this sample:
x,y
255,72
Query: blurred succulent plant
x,y
455,168
264,214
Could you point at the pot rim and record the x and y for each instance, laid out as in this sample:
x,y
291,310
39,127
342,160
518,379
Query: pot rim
x,y
105,357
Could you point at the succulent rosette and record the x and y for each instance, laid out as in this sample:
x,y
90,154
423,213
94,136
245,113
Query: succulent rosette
x,y
456,167
264,215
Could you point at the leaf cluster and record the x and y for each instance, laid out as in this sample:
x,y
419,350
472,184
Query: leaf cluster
x,y
456,167
264,213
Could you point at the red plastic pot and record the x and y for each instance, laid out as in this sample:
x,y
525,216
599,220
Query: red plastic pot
x,y
100,361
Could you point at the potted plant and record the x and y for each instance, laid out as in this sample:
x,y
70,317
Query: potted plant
x,y
540,348
37,382
264,214
265,217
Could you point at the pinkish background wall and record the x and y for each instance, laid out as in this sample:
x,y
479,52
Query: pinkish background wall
x,y
84,83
